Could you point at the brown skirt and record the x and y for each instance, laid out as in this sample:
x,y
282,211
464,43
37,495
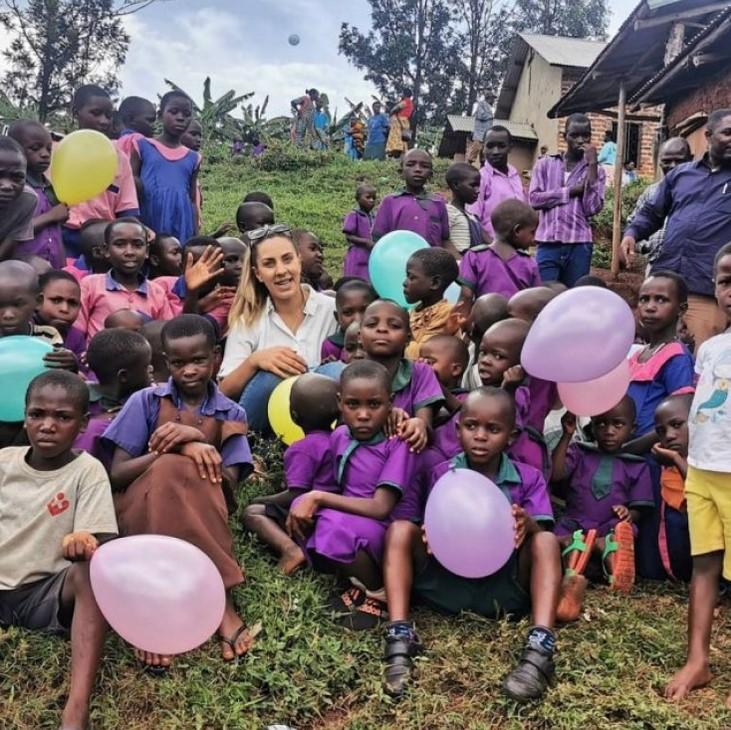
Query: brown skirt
x,y
171,499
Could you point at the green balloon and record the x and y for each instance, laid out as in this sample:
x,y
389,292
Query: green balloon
x,y
21,359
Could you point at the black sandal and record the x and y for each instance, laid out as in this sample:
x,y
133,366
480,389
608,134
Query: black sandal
x,y
399,653
530,679
367,615
231,642
348,601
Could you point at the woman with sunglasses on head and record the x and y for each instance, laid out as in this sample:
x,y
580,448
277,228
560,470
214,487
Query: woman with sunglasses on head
x,y
277,324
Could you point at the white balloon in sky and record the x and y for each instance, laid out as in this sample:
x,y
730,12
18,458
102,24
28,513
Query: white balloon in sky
x,y
294,39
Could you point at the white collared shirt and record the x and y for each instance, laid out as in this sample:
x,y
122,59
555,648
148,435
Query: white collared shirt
x,y
270,331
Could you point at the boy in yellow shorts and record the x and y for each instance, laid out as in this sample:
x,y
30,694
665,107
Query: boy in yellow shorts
x,y
708,490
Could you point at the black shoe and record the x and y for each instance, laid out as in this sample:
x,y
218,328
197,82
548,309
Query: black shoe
x,y
399,653
530,679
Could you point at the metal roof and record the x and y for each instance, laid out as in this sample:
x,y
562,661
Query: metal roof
x,y
466,124
556,50
635,54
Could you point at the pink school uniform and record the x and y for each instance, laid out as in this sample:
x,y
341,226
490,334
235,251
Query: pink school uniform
x,y
495,187
423,214
357,223
361,468
484,271
101,295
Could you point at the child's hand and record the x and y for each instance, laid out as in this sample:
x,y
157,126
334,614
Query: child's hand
x,y
622,513
667,456
568,423
59,213
79,546
207,268
224,229
221,295
301,515
395,419
171,435
206,458
576,191
416,434
425,540
61,359
590,155
521,525
513,377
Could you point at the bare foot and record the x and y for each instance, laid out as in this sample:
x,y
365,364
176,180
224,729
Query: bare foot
x,y
291,560
74,718
571,599
690,677
235,637
152,660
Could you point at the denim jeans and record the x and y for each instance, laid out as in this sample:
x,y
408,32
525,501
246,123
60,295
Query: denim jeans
x,y
255,398
564,262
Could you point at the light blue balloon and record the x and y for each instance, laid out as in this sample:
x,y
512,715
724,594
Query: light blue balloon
x,y
21,359
452,293
387,264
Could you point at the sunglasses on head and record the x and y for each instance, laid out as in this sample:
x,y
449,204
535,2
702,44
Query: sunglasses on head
x,y
259,234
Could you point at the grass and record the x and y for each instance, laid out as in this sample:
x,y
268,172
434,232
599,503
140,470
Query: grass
x,y
312,675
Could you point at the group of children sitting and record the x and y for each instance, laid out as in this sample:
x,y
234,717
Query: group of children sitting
x,y
422,392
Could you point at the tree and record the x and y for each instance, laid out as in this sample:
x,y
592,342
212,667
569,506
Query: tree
x,y
412,43
57,45
574,18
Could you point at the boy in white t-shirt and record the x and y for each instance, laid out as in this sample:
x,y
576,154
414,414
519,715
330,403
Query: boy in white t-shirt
x,y
708,490
55,505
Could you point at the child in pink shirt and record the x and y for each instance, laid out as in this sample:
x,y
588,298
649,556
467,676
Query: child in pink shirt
x,y
124,286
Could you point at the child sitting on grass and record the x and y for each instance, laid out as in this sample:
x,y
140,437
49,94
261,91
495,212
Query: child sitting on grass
x,y
56,506
351,299
308,465
529,582
504,266
357,227
527,304
373,473
152,332
429,272
179,449
465,230
17,203
352,344
605,493
485,312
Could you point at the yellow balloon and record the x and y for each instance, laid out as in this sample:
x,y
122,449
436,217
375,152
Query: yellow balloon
x,y
83,165
280,418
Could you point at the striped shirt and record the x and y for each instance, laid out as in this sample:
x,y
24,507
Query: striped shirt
x,y
564,219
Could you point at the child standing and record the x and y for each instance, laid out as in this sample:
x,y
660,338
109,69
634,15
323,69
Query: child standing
x,y
138,120
529,582
124,286
504,266
17,203
253,214
357,227
57,507
178,448
414,209
373,472
351,299
168,171
429,272
707,489
49,214
465,229
308,465
309,248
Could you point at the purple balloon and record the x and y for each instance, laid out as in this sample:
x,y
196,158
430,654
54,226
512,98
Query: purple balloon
x,y
469,524
159,593
580,335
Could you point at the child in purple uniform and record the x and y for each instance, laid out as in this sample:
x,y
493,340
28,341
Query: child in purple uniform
x,y
308,465
373,472
504,266
414,209
357,227
605,493
351,299
529,582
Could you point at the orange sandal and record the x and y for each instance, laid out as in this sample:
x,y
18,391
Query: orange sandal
x,y
573,587
621,543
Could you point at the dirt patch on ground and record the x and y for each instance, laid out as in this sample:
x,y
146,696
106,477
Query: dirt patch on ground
x,y
627,284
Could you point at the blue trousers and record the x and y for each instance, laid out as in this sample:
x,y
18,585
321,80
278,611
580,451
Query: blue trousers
x,y
255,398
564,262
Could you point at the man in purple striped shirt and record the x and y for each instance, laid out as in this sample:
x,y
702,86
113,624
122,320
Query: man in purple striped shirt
x,y
567,190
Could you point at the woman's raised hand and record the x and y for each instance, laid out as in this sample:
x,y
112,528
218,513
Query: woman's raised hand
x,y
281,361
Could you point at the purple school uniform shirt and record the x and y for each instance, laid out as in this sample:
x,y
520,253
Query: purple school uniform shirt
x,y
423,214
308,463
564,219
332,347
597,482
47,242
415,386
136,422
529,447
357,223
495,187
483,271
543,394
446,438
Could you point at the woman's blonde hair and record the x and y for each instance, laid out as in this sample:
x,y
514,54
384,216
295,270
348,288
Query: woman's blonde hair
x,y
251,295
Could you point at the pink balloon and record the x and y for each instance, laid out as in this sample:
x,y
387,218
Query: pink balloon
x,y
469,524
580,335
596,396
159,593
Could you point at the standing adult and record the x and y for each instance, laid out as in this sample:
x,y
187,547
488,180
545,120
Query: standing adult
x,y
277,323
483,121
321,123
608,154
673,152
695,198
304,127
399,133
567,189
499,180
378,126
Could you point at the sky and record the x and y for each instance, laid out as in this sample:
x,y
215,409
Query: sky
x,y
243,45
